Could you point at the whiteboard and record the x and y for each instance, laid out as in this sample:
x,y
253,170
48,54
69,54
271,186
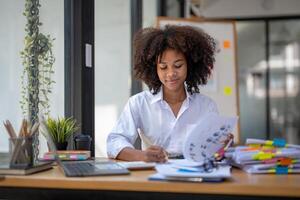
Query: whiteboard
x,y
222,86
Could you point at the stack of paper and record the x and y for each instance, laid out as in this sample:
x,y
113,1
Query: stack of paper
x,y
266,156
202,143
5,168
137,165
185,170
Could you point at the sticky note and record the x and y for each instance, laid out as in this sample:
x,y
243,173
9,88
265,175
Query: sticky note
x,y
282,170
227,91
254,145
262,156
266,147
279,142
226,44
285,161
269,142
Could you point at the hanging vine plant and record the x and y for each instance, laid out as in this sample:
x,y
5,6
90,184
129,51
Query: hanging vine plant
x,y
37,60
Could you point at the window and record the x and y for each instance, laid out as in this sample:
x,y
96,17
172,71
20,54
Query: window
x,y
269,88
112,66
12,35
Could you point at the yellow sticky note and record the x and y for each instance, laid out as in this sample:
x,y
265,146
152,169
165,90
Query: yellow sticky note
x,y
226,44
262,156
269,142
227,91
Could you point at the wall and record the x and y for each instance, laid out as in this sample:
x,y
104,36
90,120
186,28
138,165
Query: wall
x,y
246,8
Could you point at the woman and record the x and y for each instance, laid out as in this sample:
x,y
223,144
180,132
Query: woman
x,y
173,61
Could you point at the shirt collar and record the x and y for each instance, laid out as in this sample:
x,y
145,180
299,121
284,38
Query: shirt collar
x,y
159,96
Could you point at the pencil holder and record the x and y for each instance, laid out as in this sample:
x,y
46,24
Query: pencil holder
x,y
21,152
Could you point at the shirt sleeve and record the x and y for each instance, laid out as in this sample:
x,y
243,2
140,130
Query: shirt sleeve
x,y
124,133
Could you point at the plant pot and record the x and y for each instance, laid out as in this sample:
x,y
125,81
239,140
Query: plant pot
x,y
61,145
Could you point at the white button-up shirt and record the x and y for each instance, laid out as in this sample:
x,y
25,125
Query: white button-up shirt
x,y
155,118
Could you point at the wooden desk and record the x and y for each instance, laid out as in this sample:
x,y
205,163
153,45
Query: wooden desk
x,y
136,185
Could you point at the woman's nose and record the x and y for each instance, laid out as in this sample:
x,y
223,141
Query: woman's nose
x,y
171,73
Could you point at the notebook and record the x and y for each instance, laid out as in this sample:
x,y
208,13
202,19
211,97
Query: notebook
x,y
5,169
83,168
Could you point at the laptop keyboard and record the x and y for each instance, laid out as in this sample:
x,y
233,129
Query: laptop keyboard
x,y
78,168
86,168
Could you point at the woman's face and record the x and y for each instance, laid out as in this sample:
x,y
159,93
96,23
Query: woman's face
x,y
172,70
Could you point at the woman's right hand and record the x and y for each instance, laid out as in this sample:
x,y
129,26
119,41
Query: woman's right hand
x,y
155,154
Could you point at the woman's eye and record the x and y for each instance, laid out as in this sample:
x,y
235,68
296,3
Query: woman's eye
x,y
178,66
163,67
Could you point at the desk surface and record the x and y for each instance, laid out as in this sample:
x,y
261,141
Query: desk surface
x,y
240,184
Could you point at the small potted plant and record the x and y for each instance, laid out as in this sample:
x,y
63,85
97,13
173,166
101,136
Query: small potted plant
x,y
61,129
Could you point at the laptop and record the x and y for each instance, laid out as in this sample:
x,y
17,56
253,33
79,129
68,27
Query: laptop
x,y
83,168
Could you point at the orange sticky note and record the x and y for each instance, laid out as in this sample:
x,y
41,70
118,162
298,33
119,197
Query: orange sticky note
x,y
285,161
226,44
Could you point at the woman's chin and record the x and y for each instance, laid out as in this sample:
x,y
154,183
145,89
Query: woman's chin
x,y
172,87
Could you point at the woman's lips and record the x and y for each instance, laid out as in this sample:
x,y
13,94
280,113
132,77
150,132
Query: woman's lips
x,y
172,81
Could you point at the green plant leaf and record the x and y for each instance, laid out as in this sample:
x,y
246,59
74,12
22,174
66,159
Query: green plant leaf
x,y
61,128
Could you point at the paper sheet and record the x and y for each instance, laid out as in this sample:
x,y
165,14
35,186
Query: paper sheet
x,y
185,162
207,137
172,171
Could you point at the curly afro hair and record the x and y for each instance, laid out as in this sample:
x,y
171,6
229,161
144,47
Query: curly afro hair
x,y
197,47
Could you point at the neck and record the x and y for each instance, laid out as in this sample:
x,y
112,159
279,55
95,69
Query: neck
x,y
174,96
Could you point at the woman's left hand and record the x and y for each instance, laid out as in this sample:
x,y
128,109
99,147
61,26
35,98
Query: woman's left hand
x,y
227,143
228,140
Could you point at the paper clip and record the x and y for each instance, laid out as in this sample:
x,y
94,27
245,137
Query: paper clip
x,y
209,165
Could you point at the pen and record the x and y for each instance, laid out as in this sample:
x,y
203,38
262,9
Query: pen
x,y
229,143
220,153
175,156
146,142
